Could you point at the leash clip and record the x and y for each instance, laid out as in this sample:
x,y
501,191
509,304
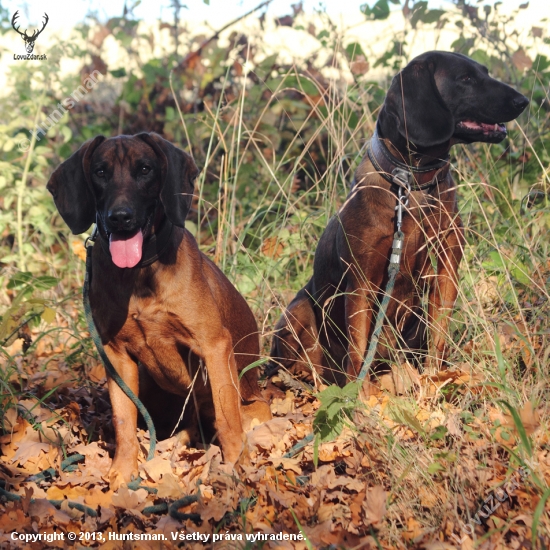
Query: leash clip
x,y
402,178
91,239
403,193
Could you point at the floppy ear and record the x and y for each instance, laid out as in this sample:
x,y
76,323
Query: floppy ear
x,y
71,190
413,98
179,172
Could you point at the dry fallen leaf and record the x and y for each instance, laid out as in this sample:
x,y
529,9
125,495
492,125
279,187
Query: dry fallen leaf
x,y
329,452
454,425
285,498
428,498
44,511
414,529
10,417
30,447
269,433
156,468
282,407
323,475
126,498
214,509
288,464
438,545
96,497
169,487
69,492
337,513
14,520
167,525
374,504
350,483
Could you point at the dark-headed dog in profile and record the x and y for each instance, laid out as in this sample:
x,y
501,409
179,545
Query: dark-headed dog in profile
x,y
163,310
438,100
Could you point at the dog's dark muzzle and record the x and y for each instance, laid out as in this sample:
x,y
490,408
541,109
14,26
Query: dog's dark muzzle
x,y
520,103
121,219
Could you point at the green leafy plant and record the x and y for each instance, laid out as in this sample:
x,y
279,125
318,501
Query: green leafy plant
x,y
26,309
335,412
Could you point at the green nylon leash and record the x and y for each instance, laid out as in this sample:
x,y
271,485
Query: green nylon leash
x,y
393,271
68,465
111,371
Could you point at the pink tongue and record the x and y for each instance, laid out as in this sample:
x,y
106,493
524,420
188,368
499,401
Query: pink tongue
x,y
126,251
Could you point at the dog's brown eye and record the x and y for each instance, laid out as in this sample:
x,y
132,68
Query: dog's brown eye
x,y
466,78
100,173
145,170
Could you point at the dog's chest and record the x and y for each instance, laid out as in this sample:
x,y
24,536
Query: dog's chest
x,y
421,227
155,336
151,323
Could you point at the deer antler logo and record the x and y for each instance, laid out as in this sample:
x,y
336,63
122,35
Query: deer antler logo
x,y
29,40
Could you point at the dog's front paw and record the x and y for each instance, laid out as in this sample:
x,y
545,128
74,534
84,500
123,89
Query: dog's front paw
x,y
121,473
368,388
233,464
236,451
254,413
433,365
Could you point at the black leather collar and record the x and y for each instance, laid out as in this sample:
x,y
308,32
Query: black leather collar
x,y
420,178
153,246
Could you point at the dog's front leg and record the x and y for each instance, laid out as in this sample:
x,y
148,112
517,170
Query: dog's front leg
x,y
358,322
224,381
124,464
443,293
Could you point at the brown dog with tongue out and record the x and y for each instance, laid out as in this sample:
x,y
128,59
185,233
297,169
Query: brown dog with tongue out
x,y
438,100
165,313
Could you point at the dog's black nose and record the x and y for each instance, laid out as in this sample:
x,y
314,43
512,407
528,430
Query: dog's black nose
x,y
520,103
121,218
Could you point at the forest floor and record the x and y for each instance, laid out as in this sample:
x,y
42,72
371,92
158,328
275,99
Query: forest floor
x,y
408,473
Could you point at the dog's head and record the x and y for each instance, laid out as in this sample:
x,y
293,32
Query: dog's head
x,y
122,181
441,96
